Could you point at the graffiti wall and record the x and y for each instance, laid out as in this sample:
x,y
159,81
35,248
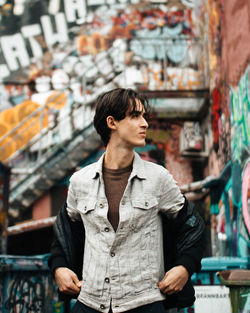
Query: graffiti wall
x,y
80,46
230,193
27,286
68,52
229,137
220,152
240,146
153,33
227,63
92,42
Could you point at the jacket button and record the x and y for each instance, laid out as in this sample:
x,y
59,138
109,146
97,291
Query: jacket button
x,y
106,229
146,203
101,205
112,254
102,306
107,280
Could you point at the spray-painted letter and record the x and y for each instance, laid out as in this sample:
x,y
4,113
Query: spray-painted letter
x,y
14,49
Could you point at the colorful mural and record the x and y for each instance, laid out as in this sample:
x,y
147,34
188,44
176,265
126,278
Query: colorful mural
x,y
229,140
240,126
228,59
230,193
240,146
92,42
220,153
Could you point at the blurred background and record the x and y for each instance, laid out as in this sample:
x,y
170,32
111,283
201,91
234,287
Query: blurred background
x,y
191,58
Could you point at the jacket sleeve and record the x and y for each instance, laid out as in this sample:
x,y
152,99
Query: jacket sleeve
x,y
190,238
184,239
68,243
57,256
59,249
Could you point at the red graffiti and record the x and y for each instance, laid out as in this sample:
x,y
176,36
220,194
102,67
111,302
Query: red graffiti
x,y
216,111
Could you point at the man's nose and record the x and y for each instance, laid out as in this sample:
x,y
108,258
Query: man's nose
x,y
145,123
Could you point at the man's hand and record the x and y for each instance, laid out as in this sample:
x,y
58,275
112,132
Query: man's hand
x,y
174,280
67,281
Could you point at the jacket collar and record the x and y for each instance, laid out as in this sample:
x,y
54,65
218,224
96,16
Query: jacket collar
x,y
137,171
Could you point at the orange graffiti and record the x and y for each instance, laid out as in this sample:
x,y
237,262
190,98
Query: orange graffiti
x,y
17,127
93,44
56,100
11,118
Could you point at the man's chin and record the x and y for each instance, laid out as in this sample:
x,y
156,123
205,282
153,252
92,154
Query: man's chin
x,y
142,144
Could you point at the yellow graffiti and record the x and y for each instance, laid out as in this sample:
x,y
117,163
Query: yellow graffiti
x,y
93,44
17,127
56,100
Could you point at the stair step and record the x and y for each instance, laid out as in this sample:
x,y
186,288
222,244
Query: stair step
x,y
52,169
44,184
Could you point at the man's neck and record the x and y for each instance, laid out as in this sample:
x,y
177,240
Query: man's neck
x,y
116,158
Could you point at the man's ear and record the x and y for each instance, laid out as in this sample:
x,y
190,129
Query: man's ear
x,y
111,122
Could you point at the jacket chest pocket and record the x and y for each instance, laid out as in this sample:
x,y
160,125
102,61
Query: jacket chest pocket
x,y
144,212
85,206
88,210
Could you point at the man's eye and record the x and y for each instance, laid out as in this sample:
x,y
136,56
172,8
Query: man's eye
x,y
136,114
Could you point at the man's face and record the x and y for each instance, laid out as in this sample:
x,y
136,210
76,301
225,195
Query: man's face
x,y
131,131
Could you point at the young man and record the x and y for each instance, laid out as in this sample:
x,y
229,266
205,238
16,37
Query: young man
x,y
140,238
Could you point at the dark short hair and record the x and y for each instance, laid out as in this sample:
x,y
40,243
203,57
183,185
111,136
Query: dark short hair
x,y
116,103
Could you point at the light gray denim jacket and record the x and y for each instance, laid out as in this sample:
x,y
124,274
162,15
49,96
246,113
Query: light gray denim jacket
x,y
125,265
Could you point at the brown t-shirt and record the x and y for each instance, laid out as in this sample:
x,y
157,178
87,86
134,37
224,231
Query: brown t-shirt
x,y
115,182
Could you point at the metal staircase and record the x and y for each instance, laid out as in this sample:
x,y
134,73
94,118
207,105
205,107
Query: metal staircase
x,y
50,156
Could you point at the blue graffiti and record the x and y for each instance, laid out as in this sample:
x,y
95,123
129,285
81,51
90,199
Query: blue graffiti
x,y
26,294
